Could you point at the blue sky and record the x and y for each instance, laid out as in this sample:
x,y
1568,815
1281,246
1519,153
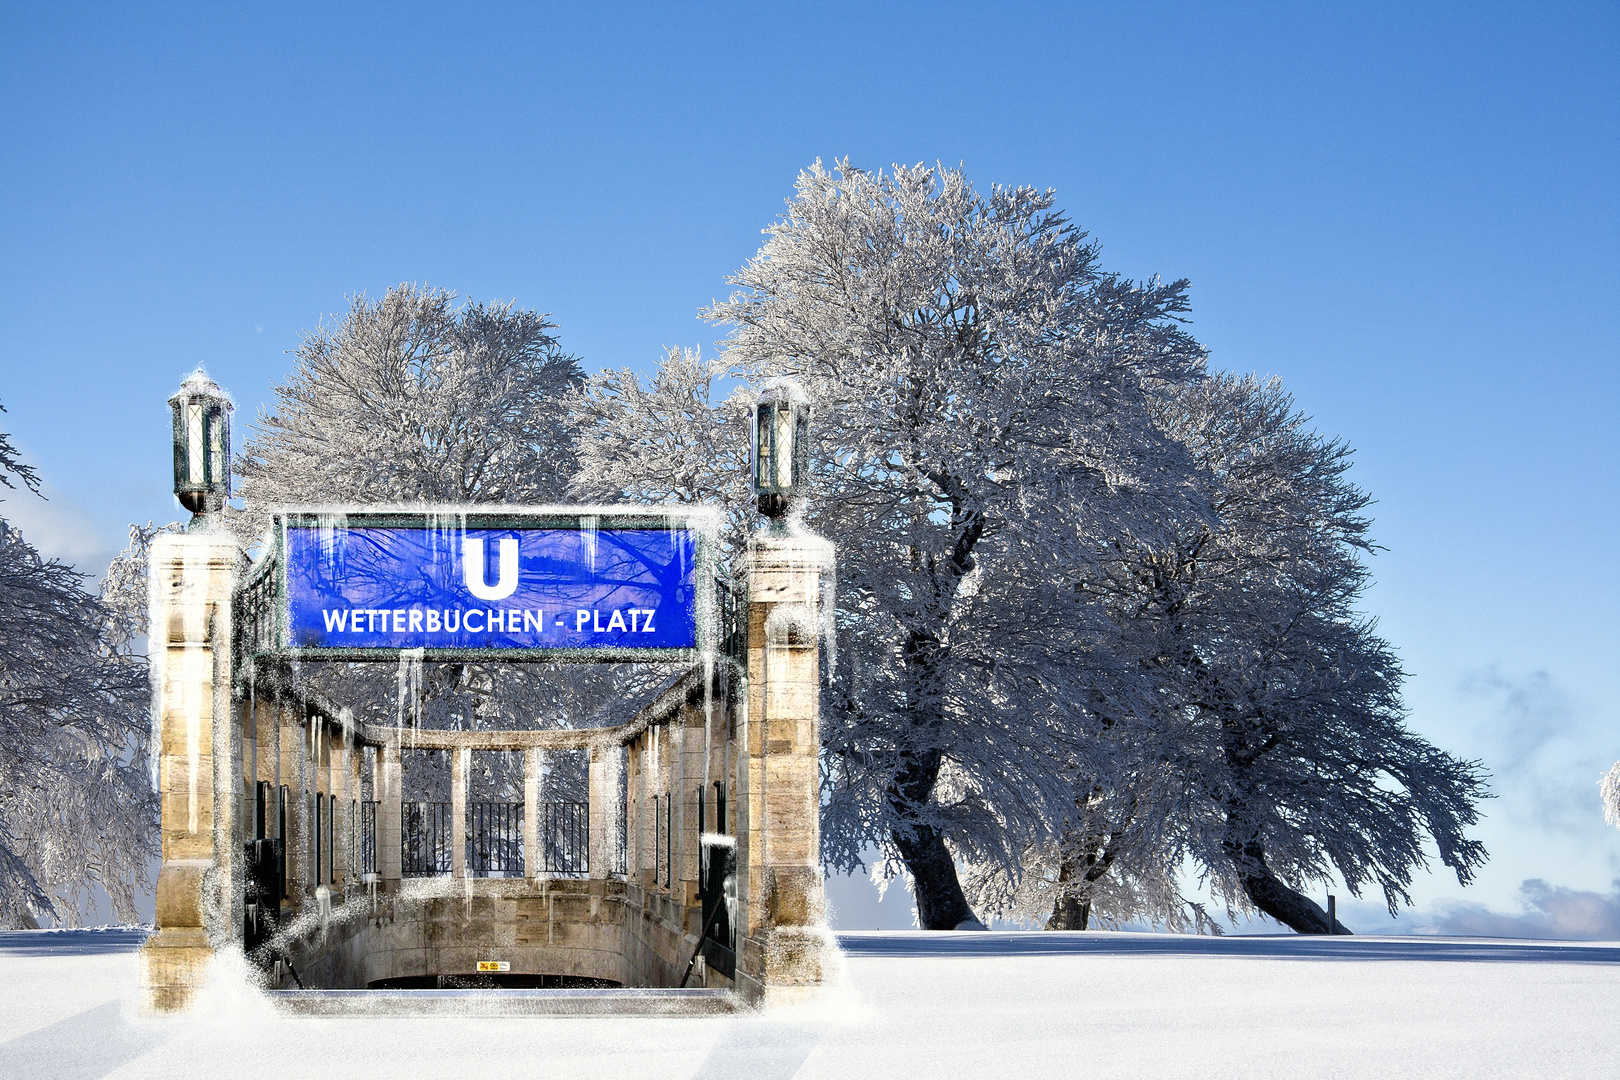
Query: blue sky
x,y
1409,212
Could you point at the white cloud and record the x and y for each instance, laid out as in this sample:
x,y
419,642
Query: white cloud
x,y
1547,911
58,529
1547,749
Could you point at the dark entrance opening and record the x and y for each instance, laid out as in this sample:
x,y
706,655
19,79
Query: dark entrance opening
x,y
494,981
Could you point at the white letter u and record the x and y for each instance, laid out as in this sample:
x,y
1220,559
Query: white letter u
x,y
472,569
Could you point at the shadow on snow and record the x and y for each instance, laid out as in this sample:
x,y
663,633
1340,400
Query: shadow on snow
x,y
1270,946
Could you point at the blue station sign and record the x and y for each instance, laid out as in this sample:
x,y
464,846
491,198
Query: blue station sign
x,y
508,583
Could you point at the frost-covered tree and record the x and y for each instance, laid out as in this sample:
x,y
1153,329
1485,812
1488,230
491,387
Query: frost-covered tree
x,y
972,369
76,808
416,398
1277,755
668,442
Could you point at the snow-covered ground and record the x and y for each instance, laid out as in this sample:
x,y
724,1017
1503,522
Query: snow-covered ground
x,y
911,1005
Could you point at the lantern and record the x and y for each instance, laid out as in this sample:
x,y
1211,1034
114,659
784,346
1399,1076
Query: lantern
x,y
781,447
202,445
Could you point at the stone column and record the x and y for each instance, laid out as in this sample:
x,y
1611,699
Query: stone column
x,y
460,764
388,789
691,807
337,805
190,586
788,948
351,786
532,857
601,817
633,812
293,759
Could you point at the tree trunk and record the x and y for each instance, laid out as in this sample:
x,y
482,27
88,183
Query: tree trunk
x,y
941,904
1294,910
1069,913
1288,907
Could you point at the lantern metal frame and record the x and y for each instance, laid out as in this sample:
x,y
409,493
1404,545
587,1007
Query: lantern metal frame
x,y
202,445
779,448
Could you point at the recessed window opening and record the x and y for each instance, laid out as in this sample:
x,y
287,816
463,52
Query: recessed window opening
x,y
425,835
565,813
494,828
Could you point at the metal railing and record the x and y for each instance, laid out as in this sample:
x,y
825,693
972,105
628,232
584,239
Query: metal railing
x,y
424,839
565,838
495,839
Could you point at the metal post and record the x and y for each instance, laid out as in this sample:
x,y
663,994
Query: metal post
x,y
1333,916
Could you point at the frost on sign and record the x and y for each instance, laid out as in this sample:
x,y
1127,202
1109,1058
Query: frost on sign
x,y
455,583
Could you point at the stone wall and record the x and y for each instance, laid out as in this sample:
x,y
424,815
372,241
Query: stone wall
x,y
590,929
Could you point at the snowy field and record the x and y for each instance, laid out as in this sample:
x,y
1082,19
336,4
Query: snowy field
x,y
911,1005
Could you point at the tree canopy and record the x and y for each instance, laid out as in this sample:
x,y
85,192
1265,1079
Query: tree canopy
x,y
416,398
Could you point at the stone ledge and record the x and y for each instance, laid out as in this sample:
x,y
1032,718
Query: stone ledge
x,y
631,1002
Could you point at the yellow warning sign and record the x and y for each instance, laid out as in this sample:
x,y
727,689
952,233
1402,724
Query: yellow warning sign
x,y
494,965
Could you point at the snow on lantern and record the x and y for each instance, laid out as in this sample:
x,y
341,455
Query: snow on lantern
x,y
781,448
202,445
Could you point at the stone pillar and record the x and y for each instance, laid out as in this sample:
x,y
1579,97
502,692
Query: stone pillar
x,y
692,811
295,844
787,947
633,811
337,805
601,817
460,764
352,786
190,582
532,856
387,782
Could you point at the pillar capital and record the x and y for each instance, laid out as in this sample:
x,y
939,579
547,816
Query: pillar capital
x,y
784,569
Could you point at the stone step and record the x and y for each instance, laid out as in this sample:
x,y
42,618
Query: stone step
x,y
656,1001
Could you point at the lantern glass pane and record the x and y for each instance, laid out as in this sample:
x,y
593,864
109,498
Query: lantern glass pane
x,y
782,458
194,442
761,451
217,467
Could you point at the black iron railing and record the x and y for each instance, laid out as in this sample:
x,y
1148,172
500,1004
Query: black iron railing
x,y
424,839
565,838
495,839
368,837
256,611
